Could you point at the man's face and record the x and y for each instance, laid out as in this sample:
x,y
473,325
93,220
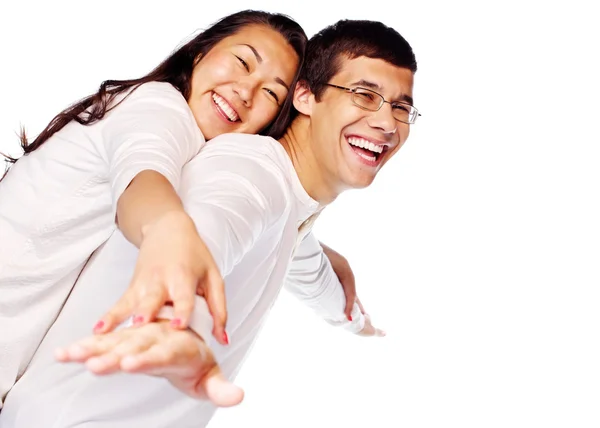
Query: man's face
x,y
351,144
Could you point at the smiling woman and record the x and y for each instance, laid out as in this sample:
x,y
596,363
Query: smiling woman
x,y
114,159
240,84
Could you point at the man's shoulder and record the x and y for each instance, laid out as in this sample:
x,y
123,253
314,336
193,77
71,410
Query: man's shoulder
x,y
250,170
254,151
245,142
243,164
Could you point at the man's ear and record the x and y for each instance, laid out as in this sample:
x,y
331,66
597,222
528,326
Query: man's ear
x,y
303,98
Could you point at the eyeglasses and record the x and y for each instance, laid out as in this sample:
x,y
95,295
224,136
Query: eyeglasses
x,y
372,101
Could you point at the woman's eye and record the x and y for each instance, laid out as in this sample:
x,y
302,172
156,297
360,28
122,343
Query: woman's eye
x,y
244,63
273,94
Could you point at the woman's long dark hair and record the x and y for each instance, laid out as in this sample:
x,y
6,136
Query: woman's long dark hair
x,y
177,70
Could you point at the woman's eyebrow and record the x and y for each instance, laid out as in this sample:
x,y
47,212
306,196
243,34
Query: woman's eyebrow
x,y
259,59
255,52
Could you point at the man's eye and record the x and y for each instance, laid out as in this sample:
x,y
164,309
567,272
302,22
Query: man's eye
x,y
365,96
401,107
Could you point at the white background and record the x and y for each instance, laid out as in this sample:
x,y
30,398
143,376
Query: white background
x,y
476,249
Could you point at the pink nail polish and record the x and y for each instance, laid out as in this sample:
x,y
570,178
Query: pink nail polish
x,y
176,322
99,325
138,319
350,318
225,338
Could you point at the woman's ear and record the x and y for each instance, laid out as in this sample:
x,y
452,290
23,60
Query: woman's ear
x,y
303,98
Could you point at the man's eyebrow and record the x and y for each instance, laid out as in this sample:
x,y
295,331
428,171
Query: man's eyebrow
x,y
366,84
255,52
370,85
407,99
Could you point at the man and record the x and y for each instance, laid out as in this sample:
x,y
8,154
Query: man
x,y
254,201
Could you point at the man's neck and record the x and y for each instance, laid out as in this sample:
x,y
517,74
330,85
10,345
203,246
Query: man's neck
x,y
297,144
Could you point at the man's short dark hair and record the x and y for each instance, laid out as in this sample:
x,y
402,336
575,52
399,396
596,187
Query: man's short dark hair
x,y
352,39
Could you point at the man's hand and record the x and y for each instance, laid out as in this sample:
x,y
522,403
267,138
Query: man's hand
x,y
156,349
369,329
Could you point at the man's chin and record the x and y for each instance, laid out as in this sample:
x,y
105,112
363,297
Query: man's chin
x,y
361,182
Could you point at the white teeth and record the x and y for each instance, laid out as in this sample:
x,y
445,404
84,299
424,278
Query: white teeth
x,y
364,144
366,156
224,105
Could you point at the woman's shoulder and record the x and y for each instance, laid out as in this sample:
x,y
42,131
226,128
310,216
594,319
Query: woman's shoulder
x,y
154,107
156,92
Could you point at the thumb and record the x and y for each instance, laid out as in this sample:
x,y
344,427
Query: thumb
x,y
219,390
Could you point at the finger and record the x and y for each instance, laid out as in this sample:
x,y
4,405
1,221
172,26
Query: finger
x,y
150,301
72,354
368,331
360,306
125,342
183,297
60,354
84,349
117,314
380,333
215,299
219,390
103,364
151,361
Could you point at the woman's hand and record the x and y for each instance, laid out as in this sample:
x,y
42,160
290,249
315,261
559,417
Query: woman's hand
x,y
173,265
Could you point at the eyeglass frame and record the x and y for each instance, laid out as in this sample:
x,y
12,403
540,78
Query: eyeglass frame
x,y
383,101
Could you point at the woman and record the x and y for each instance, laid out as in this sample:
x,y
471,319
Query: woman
x,y
114,160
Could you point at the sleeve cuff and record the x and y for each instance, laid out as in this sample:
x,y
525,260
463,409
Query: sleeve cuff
x,y
123,179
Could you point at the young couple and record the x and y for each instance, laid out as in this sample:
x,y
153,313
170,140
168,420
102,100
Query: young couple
x,y
154,202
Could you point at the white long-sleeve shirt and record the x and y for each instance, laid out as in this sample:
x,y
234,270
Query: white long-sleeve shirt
x,y
58,205
247,202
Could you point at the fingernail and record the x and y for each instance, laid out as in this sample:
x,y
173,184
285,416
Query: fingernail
x,y
138,319
176,322
350,318
225,338
99,325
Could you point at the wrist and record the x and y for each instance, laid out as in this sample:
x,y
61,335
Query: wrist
x,y
173,217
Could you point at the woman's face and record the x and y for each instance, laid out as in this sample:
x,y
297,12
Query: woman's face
x,y
241,83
